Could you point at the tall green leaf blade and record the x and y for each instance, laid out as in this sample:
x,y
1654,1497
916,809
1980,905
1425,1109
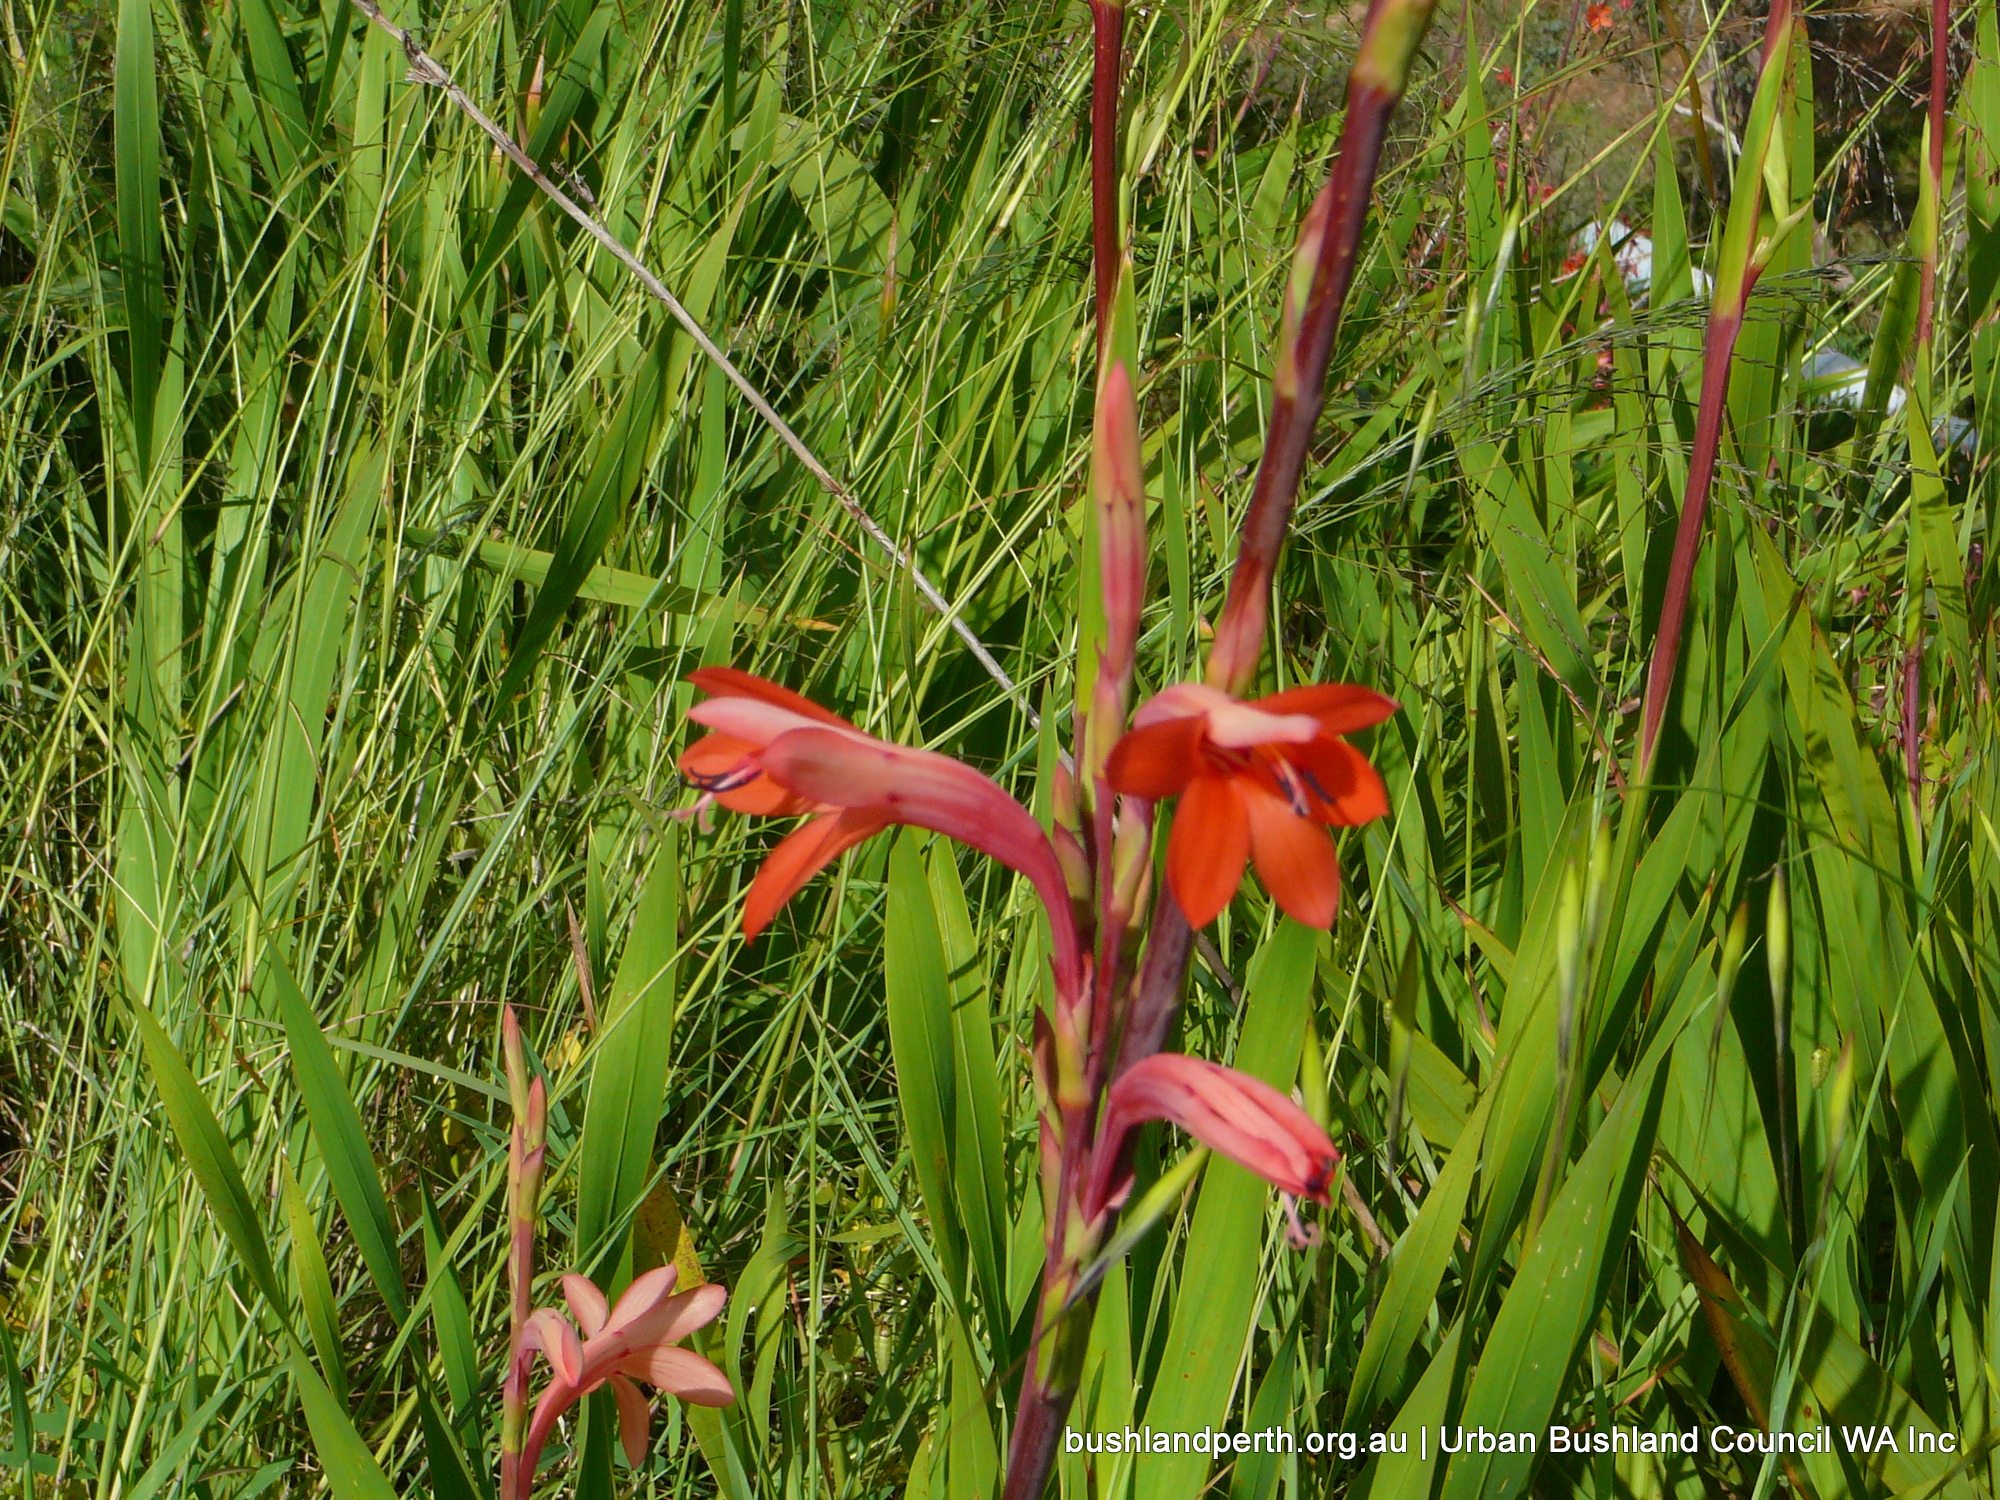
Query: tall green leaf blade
x,y
340,1135
208,1156
1562,1280
1214,1313
629,1075
917,985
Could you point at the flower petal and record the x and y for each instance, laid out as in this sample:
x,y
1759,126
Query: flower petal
x,y
1239,726
635,1419
647,1291
927,790
672,1319
726,767
1241,1117
799,857
1208,848
549,1331
733,682
1156,761
679,1372
1182,700
757,723
1295,859
1340,707
586,1304
1345,786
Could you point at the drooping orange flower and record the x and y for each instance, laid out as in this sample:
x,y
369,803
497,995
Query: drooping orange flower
x,y
1598,16
1262,781
771,752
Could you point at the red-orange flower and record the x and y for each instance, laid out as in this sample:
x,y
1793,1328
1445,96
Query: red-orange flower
x,y
1261,780
772,752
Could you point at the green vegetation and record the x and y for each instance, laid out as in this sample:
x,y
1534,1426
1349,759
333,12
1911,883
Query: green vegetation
x,y
362,519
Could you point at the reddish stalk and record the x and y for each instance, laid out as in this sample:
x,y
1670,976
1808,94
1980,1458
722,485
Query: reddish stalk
x,y
1072,1054
1718,346
1322,272
1068,1050
1107,24
1744,255
1329,244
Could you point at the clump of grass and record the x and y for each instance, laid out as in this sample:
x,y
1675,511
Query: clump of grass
x,y
362,518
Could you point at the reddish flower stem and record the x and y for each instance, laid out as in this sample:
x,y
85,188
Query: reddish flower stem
x,y
1725,322
1072,1068
1718,346
1298,385
1107,21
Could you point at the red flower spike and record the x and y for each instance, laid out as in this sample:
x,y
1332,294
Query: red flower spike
x,y
1257,781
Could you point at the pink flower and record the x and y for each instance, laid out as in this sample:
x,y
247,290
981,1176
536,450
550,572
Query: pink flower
x,y
633,1341
1241,1117
776,753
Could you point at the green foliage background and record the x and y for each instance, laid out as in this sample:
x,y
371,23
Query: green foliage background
x,y
360,520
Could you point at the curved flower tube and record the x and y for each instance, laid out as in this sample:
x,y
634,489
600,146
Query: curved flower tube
x,y
1259,780
634,1341
776,753
1241,1117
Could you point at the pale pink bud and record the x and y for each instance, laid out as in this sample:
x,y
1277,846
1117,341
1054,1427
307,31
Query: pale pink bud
x,y
1231,1113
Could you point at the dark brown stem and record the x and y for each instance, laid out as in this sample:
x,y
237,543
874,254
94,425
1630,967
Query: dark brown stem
x,y
1038,1424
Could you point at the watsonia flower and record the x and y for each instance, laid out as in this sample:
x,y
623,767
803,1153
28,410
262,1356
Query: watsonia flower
x,y
1231,1113
620,1346
1260,780
773,752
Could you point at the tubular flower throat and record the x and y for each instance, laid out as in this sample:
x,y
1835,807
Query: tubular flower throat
x,y
1258,780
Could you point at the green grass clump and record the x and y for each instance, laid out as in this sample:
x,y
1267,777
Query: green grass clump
x,y
361,519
